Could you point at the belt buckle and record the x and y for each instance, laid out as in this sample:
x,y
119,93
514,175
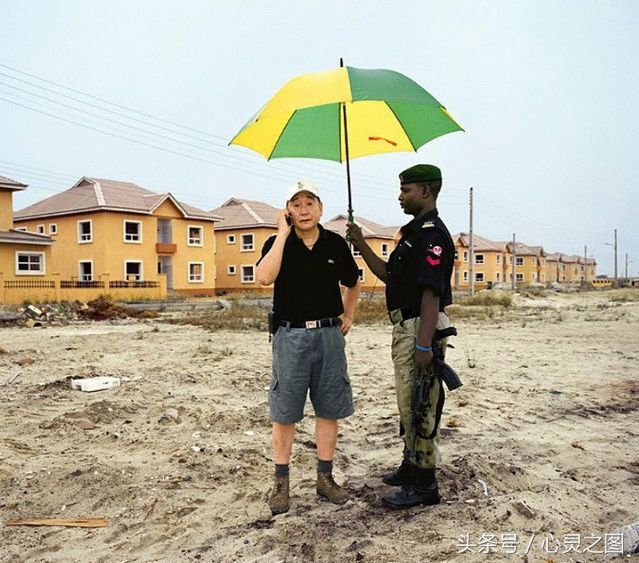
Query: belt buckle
x,y
311,324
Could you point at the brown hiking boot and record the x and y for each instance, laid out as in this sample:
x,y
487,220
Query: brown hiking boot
x,y
278,502
329,489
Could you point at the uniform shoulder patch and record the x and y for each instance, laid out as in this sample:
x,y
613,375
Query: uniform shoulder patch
x,y
428,225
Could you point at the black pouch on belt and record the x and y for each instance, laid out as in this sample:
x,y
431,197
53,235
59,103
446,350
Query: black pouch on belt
x,y
273,324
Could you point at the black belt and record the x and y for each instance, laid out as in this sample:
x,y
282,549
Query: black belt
x,y
319,323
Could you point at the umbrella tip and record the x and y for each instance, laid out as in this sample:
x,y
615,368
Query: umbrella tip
x,y
341,62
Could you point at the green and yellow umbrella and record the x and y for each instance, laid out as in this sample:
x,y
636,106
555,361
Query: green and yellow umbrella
x,y
344,114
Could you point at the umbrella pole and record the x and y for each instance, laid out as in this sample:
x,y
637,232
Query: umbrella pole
x,y
348,167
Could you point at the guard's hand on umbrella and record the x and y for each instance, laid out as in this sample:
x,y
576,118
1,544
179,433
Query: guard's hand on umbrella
x,y
354,233
283,225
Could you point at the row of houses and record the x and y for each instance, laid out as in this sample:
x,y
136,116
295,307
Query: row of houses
x,y
105,236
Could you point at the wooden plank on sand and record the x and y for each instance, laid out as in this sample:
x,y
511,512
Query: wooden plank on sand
x,y
73,523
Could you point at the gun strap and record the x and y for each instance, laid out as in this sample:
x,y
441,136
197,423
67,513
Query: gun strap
x,y
439,409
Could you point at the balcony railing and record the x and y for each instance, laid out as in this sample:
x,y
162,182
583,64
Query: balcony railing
x,y
165,247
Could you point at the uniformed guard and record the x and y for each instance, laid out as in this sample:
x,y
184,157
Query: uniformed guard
x,y
417,278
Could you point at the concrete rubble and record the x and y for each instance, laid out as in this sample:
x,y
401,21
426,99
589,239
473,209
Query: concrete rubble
x,y
65,313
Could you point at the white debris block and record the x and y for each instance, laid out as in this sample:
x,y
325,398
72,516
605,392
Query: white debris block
x,y
95,384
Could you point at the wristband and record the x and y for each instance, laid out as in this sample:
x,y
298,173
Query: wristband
x,y
423,348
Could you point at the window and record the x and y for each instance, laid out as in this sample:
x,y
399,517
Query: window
x,y
40,229
133,271
248,242
248,274
21,229
53,229
196,272
85,233
230,239
465,255
85,270
356,252
132,231
195,236
519,277
360,272
29,263
479,258
230,270
519,261
384,249
465,276
498,258
498,276
479,276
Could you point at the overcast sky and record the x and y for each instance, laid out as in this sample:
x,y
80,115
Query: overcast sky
x,y
547,92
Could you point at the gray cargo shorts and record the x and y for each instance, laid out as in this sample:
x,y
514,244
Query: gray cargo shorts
x,y
309,361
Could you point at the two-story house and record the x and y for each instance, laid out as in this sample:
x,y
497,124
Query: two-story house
x,y
488,262
240,234
25,258
126,235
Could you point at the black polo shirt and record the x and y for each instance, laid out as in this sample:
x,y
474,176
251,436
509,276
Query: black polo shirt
x,y
423,258
307,287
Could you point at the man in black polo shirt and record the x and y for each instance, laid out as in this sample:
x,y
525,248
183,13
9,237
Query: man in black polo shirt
x,y
307,264
417,278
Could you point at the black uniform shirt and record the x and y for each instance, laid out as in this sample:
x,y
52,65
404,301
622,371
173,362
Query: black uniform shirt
x,y
423,258
307,287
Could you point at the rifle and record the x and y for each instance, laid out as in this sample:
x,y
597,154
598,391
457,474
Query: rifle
x,y
424,381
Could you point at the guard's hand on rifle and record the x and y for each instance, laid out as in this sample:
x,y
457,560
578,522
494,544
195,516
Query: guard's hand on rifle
x,y
424,362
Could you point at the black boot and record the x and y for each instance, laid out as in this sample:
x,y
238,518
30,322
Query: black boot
x,y
420,490
399,477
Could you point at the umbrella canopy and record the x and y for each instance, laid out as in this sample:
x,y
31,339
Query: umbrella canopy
x,y
385,111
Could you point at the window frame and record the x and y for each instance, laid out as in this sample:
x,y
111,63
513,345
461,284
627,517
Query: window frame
x,y
40,229
517,261
80,235
125,234
80,275
477,258
384,253
230,239
242,244
228,270
141,274
189,240
191,278
242,280
476,274
53,229
43,264
361,274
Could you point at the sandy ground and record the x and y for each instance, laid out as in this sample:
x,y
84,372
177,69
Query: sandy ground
x,y
548,415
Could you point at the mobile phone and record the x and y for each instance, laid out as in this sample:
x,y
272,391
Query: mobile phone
x,y
289,221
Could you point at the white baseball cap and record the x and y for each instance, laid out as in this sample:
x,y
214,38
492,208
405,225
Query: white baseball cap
x,y
302,186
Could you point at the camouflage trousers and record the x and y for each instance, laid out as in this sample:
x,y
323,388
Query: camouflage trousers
x,y
417,450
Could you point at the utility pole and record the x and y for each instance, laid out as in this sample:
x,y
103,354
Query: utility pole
x,y
514,257
471,249
615,256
